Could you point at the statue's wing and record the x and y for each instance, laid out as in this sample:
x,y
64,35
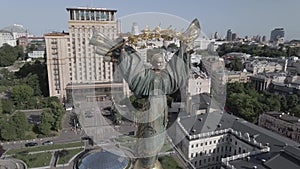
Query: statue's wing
x,y
192,32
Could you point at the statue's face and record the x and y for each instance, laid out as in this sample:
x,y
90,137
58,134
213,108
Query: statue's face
x,y
158,61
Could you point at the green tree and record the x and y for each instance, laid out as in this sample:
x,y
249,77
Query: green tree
x,y
283,103
292,101
296,110
7,77
32,80
21,124
21,94
47,121
58,111
251,49
7,106
8,55
39,69
236,64
1,110
31,48
8,132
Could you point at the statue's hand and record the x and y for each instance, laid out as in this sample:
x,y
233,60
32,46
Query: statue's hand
x,y
115,52
108,49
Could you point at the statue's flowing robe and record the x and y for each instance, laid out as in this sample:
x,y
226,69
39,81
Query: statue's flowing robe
x,y
153,85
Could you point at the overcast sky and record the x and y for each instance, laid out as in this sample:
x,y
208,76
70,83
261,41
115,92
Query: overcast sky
x,y
244,17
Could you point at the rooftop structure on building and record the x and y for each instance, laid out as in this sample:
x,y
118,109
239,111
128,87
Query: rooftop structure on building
x,y
282,123
218,139
264,66
238,76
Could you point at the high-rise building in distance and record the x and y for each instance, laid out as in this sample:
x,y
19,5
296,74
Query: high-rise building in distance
x,y
135,29
277,34
70,58
229,35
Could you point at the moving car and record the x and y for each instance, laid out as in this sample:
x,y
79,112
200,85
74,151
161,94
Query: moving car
x,y
47,142
31,144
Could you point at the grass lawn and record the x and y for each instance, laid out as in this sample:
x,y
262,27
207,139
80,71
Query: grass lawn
x,y
166,147
43,148
125,139
168,162
35,160
67,158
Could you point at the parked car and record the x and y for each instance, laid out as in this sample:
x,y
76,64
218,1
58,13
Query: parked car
x,y
47,142
31,144
89,114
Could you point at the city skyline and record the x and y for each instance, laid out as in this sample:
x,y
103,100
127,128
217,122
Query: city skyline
x,y
244,18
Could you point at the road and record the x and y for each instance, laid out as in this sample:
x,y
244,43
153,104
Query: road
x,y
66,135
99,128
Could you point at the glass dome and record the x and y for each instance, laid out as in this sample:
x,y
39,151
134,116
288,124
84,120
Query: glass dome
x,y
102,160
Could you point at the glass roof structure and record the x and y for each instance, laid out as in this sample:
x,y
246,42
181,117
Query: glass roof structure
x,y
102,160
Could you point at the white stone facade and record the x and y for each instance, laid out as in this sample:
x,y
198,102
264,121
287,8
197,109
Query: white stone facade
x,y
7,37
210,149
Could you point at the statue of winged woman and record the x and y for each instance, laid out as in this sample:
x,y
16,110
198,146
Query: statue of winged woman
x,y
150,83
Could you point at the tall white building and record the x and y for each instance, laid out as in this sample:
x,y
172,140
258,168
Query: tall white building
x,y
76,60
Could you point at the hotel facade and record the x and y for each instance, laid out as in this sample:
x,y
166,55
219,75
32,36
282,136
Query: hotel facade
x,y
71,61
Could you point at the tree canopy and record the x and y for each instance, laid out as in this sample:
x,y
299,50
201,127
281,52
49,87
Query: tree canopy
x,y
244,101
255,50
9,54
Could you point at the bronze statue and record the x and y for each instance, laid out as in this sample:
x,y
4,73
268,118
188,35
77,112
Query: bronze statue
x,y
153,84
